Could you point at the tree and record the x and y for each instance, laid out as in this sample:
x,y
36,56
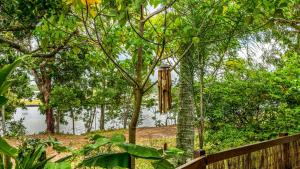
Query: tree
x,y
185,125
129,41
29,27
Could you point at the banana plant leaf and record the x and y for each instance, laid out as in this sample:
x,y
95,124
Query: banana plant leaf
x,y
140,151
107,160
7,149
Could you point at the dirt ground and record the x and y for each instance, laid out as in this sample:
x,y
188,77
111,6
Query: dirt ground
x,y
77,141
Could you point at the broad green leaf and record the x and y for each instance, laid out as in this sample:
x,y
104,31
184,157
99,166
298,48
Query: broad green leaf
x,y
107,160
4,87
162,164
61,165
59,148
96,136
140,151
6,70
6,149
118,138
3,100
172,151
98,143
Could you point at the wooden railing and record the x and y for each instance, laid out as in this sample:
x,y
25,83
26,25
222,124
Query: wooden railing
x,y
280,153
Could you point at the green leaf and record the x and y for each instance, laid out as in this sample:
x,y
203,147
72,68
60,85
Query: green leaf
x,y
118,138
98,143
96,136
107,160
4,87
196,40
62,165
6,149
140,151
59,148
162,164
6,70
172,151
3,100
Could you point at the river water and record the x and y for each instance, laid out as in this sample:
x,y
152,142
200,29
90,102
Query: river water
x,y
34,121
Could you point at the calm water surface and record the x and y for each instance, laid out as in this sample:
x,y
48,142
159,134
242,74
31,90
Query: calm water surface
x,y
35,122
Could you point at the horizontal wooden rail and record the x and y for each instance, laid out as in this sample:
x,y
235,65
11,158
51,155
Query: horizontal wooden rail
x,y
203,161
250,148
197,163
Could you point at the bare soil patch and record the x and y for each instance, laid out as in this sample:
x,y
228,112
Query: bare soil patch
x,y
77,141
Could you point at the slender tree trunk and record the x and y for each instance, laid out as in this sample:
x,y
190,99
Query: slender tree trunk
x,y
102,117
138,92
73,122
91,120
58,122
134,120
185,126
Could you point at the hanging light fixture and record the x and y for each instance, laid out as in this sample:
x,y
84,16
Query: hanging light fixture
x,y
164,88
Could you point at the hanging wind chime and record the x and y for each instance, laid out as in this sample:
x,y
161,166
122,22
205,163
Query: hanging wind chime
x,y
164,88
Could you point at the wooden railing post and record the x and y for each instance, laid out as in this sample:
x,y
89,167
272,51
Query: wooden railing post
x,y
286,153
248,161
198,153
165,146
202,154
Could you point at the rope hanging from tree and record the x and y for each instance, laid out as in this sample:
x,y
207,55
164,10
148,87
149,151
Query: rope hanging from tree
x,y
164,88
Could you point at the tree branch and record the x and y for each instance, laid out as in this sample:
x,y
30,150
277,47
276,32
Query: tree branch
x,y
58,49
160,55
14,45
159,10
21,49
129,21
173,67
118,66
16,28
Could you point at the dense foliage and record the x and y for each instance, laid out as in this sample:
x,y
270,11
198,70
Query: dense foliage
x,y
235,67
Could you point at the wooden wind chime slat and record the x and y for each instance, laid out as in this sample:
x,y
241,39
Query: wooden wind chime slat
x,y
164,88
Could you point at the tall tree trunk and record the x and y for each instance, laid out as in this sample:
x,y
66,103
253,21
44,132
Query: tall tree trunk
x,y
73,122
43,82
49,120
57,122
48,111
201,104
138,91
185,126
102,117
91,120
202,117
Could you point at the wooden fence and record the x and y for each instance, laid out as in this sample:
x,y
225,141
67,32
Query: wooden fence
x,y
281,153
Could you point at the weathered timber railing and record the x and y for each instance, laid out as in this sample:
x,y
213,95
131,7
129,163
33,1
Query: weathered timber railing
x,y
280,153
